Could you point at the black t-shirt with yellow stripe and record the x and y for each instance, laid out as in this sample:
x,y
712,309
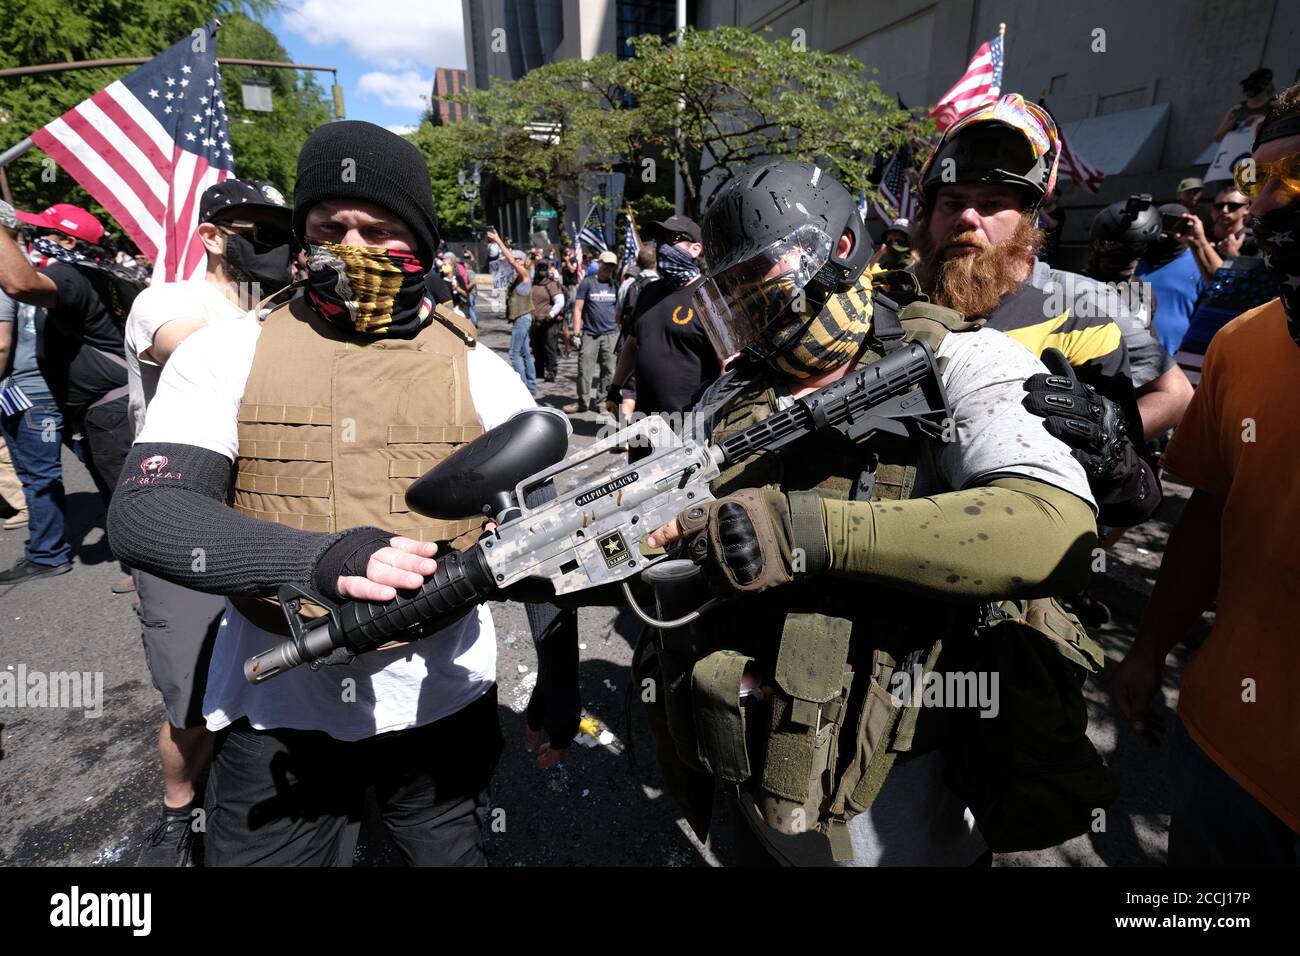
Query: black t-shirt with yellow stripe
x,y
1093,344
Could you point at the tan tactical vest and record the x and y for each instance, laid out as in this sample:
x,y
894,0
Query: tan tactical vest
x,y
332,430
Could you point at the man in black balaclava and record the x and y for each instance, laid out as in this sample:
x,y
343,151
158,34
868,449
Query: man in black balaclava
x,y
1235,784
312,421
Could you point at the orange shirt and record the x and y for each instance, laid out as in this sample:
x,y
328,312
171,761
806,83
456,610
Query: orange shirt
x,y
1240,440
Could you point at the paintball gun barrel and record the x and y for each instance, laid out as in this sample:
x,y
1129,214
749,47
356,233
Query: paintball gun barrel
x,y
589,536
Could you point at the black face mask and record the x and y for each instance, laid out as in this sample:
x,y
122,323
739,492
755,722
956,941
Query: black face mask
x,y
1163,251
1115,265
1278,235
269,268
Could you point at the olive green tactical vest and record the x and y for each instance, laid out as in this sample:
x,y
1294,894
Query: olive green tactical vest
x,y
518,304
817,750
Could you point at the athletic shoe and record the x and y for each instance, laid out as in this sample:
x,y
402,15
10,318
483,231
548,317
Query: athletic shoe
x,y
172,841
25,570
15,521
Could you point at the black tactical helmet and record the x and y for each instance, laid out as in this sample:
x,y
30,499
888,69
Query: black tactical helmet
x,y
1131,222
770,237
1009,141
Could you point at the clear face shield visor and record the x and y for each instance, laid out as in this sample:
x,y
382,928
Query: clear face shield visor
x,y
760,304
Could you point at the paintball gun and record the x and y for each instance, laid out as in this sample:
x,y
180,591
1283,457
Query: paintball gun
x,y
591,535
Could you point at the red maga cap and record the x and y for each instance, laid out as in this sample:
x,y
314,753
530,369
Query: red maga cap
x,y
71,220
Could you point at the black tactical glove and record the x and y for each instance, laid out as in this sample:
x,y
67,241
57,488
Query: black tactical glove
x,y
746,542
1091,424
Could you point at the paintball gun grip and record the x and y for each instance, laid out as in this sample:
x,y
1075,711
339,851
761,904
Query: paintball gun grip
x,y
462,580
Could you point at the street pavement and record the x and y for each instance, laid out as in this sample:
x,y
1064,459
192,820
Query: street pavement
x,y
84,788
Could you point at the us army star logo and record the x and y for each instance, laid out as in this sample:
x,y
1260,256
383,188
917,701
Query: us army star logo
x,y
613,549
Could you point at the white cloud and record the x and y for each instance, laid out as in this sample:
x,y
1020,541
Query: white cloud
x,y
407,90
402,129
423,33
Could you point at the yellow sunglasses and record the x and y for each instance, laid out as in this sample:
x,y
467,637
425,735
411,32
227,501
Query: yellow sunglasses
x,y
1251,177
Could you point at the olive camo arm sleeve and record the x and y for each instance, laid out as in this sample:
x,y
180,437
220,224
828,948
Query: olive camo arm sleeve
x,y
1010,538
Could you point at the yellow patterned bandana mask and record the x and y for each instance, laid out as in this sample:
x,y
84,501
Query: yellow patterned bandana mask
x,y
834,337
366,289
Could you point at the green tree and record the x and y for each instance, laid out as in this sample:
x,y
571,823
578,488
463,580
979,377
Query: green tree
x,y
50,31
444,151
727,97
266,145
720,100
540,132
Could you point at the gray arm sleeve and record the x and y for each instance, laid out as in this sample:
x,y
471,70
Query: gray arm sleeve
x,y
169,517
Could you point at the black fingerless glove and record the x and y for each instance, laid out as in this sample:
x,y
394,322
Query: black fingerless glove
x,y
348,556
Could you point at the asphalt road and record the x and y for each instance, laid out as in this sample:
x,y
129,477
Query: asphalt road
x,y
84,788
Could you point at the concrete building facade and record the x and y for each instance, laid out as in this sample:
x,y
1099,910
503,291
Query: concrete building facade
x,y
504,39
1138,88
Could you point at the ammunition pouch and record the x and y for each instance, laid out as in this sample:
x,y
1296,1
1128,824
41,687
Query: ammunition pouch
x,y
1030,774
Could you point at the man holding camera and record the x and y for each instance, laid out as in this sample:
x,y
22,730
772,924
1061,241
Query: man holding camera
x,y
1176,278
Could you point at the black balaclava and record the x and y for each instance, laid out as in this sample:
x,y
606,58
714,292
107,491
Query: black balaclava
x,y
1278,232
1167,248
366,289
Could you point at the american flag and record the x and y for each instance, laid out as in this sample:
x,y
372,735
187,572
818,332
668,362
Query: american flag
x,y
897,191
148,145
631,244
980,85
1089,177
593,231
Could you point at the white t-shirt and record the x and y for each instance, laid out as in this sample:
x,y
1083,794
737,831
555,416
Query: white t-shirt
x,y
196,403
915,819
153,308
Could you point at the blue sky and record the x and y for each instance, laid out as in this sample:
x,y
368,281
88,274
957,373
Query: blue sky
x,y
386,52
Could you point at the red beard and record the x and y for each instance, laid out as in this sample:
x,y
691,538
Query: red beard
x,y
975,284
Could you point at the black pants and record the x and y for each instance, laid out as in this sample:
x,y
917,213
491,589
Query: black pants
x,y
545,340
296,797
107,427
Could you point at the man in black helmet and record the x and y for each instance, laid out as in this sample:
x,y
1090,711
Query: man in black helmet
x,y
312,422
1120,235
981,189
845,564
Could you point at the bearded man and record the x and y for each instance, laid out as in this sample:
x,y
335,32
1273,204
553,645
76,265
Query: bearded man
x,y
981,189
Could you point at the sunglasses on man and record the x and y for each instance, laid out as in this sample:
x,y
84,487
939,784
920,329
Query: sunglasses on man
x,y
265,234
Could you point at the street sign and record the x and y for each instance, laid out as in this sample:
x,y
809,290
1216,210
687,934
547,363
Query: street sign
x,y
545,214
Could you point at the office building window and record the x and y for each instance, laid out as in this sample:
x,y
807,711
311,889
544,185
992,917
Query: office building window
x,y
638,17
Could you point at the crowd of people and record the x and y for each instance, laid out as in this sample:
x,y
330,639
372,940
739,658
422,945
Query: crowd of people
x,y
842,568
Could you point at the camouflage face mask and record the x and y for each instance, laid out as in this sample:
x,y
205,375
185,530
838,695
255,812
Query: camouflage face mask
x,y
834,337
366,288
